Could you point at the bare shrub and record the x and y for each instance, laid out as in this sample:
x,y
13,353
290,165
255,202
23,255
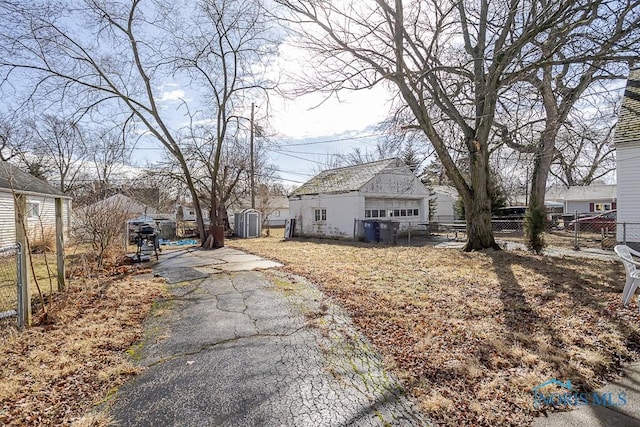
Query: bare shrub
x,y
103,224
42,239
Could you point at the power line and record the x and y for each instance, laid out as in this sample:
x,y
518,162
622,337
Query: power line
x,y
334,140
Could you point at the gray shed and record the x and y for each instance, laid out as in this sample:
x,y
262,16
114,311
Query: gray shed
x,y
248,223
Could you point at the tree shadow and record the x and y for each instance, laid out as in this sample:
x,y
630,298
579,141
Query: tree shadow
x,y
580,294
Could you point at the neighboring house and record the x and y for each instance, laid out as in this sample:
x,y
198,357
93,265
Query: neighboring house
x,y
590,198
40,198
274,209
121,201
328,204
189,213
444,197
627,141
556,194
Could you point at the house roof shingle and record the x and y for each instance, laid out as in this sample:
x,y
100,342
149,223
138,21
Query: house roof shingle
x,y
628,127
14,179
343,180
590,192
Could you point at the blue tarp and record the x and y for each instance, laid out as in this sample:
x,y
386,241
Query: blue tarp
x,y
182,242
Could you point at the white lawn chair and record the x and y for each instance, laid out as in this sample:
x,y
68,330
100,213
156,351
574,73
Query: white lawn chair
x,y
633,272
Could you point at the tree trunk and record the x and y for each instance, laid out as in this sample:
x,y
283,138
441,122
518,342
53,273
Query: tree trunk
x,y
477,200
544,156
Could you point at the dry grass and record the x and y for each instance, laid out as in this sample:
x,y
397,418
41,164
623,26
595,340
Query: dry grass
x,y
470,334
54,373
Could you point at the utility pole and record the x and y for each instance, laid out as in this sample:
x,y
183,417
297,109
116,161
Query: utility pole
x,y
253,183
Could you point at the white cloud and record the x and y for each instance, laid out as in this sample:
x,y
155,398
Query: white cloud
x,y
173,95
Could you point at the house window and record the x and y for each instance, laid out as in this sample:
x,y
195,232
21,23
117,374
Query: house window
x,y
374,213
396,212
33,210
383,213
416,212
601,207
367,213
276,213
321,214
403,212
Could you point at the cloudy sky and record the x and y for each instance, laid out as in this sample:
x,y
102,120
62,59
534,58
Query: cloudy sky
x,y
305,131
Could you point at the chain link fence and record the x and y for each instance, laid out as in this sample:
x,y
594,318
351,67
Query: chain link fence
x,y
564,233
10,282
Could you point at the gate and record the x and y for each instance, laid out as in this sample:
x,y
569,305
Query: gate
x,y
11,304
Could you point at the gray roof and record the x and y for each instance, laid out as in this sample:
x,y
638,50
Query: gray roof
x,y
14,179
344,180
628,127
590,192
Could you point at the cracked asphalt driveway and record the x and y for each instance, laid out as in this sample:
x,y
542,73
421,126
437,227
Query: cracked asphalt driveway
x,y
254,348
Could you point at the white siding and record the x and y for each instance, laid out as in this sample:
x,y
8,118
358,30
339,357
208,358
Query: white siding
x,y
628,164
276,217
47,221
7,220
585,207
342,210
445,207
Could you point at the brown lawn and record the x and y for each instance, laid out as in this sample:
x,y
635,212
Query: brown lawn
x,y
55,373
470,334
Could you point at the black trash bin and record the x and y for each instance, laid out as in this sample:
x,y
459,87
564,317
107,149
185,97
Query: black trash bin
x,y
389,232
371,231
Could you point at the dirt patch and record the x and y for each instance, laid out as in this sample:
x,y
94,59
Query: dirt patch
x,y
55,373
470,334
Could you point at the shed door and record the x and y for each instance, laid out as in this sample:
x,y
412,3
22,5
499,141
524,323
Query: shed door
x,y
252,218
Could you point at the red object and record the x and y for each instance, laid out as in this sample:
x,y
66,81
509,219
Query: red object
x,y
606,220
218,236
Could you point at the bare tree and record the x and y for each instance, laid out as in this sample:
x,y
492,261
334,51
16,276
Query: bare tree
x,y
59,142
108,150
103,224
450,62
585,151
124,53
576,59
238,39
14,138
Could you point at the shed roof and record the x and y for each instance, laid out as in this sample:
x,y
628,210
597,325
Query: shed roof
x,y
13,178
628,127
590,192
344,180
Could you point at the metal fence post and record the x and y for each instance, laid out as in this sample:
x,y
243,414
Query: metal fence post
x,y
576,231
21,238
20,285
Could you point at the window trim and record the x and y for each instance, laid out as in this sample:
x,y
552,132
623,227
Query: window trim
x,y
320,213
29,213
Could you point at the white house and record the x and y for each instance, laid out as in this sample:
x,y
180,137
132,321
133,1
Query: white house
x,y
627,141
328,204
444,198
40,198
590,198
189,212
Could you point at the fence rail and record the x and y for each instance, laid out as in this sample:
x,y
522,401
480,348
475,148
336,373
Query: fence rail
x,y
569,234
11,304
